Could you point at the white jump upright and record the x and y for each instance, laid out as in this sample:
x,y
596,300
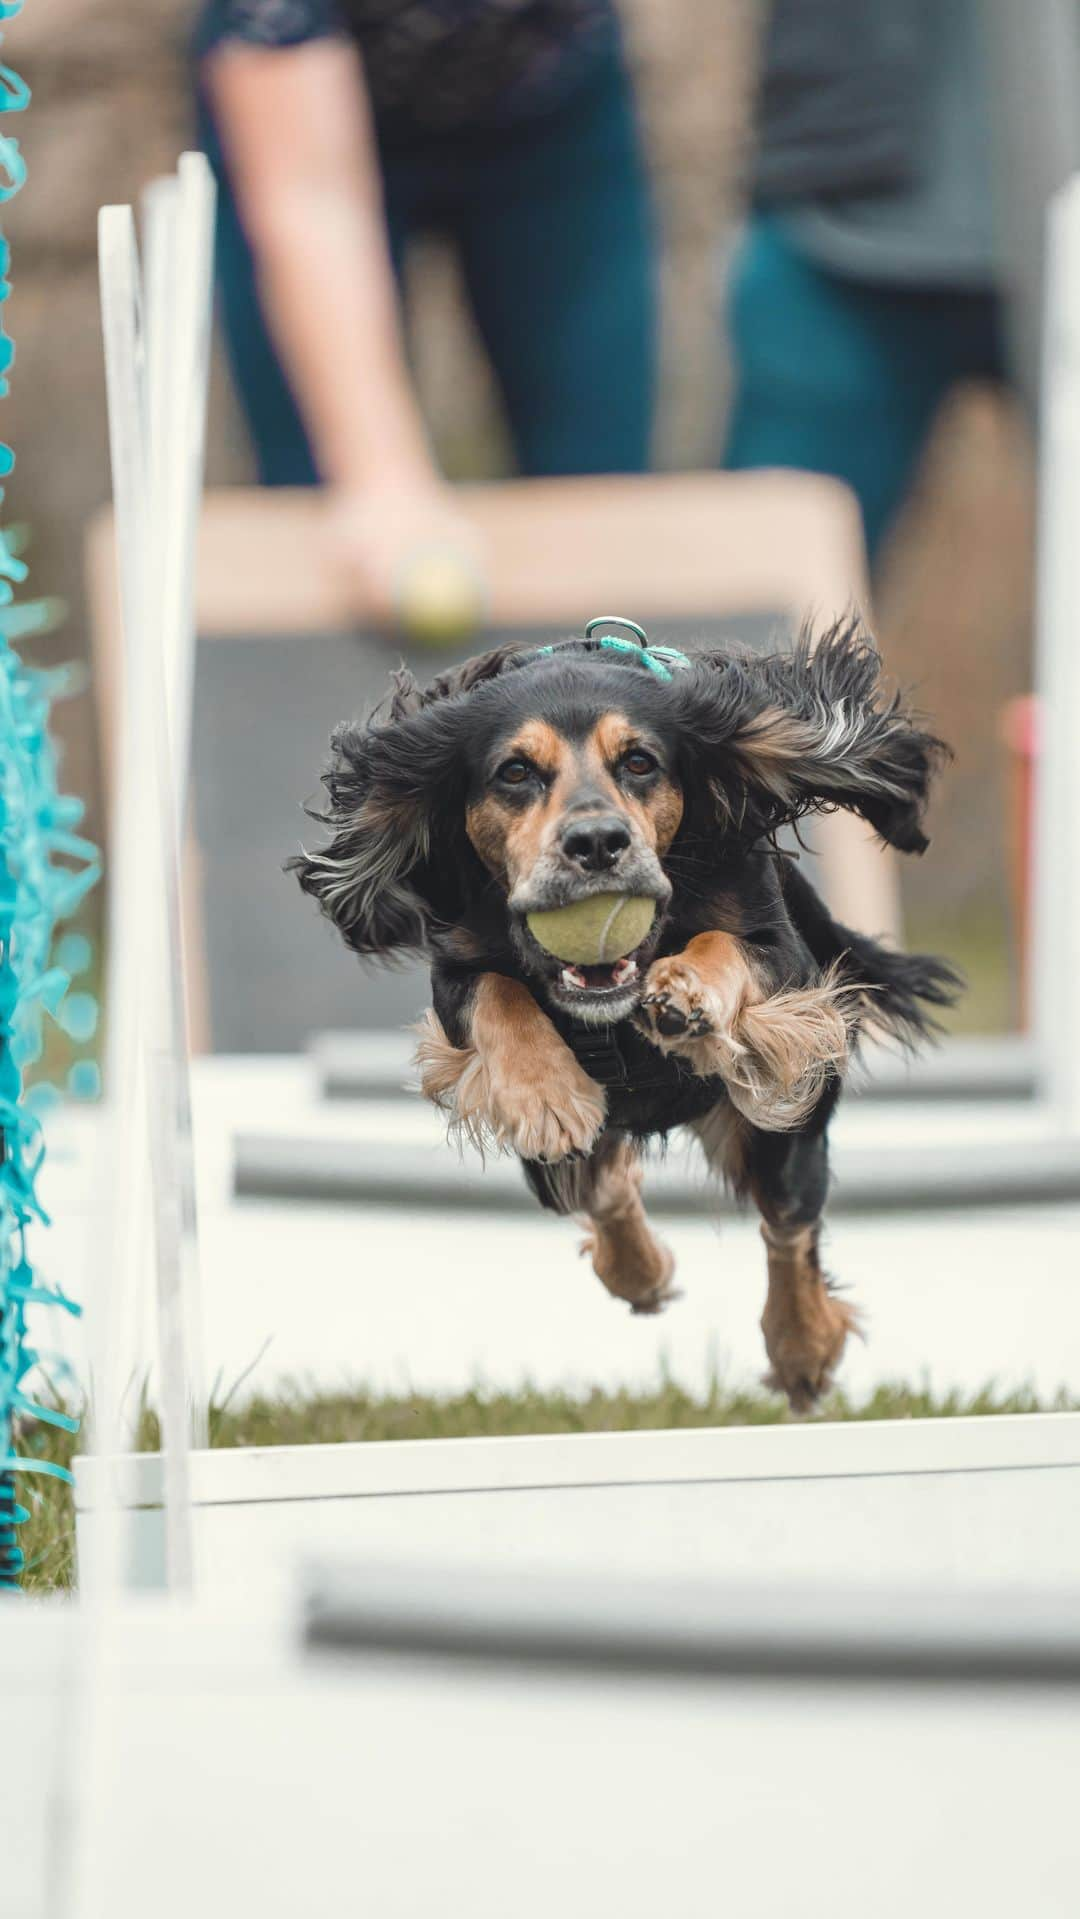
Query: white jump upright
x,y
1056,947
178,219
156,338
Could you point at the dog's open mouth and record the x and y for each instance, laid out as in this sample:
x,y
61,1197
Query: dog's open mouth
x,y
608,978
605,993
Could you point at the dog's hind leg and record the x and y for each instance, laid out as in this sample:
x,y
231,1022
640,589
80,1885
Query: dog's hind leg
x,y
604,1193
805,1325
626,1255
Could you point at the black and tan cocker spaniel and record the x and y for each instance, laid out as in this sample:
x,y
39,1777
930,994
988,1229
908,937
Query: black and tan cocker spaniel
x,y
531,778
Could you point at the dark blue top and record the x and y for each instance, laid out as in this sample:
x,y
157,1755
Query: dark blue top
x,y
437,65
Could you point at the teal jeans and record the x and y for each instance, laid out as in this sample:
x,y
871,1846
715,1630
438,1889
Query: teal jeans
x,y
844,377
552,226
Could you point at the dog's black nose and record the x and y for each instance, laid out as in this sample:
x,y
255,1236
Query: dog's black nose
x,y
596,844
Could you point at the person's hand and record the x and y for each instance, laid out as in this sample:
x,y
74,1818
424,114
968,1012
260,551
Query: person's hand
x,y
408,557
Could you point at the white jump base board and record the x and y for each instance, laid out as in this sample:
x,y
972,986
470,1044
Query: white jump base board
x,y
1012,1169
374,1065
980,1501
451,1786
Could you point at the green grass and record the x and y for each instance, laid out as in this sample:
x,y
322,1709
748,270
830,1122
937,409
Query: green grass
x,y
298,1417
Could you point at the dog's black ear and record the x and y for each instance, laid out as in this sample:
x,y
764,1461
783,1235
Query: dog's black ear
x,y
392,863
398,858
810,730
475,672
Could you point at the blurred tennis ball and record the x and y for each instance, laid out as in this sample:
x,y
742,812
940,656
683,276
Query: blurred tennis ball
x,y
594,931
439,596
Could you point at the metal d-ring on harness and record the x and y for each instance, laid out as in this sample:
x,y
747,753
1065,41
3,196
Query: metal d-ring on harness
x,y
663,662
596,1048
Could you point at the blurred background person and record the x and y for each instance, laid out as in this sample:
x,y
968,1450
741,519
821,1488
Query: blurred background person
x,y
953,584
867,281
338,132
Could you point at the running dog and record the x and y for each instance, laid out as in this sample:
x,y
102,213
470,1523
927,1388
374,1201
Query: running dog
x,y
532,778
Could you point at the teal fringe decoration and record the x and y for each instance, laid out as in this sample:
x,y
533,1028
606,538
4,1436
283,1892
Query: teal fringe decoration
x,y
46,869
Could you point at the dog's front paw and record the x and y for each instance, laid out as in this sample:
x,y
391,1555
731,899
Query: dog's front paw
x,y
681,1013
549,1116
532,1097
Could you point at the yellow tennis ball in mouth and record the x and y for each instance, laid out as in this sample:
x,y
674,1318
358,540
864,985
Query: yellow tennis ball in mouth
x,y
593,931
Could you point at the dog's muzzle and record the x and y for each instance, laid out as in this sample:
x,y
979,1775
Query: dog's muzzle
x,y
594,855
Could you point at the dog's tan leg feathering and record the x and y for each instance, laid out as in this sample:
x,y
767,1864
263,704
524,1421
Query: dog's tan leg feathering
x,y
518,1084
805,1326
773,1051
625,1253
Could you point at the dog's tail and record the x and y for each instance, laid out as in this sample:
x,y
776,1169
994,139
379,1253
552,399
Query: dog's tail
x,y
898,994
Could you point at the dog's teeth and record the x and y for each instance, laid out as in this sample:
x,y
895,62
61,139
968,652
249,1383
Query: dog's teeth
x,y
573,977
623,970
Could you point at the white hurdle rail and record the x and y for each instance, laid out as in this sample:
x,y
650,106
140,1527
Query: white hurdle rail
x,y
974,1502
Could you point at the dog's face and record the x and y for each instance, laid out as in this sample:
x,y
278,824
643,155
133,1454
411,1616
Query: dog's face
x,y
522,782
575,791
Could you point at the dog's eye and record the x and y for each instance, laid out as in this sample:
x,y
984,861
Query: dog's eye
x,y
514,772
639,762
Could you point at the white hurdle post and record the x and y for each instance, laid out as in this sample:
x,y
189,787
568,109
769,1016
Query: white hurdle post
x,y
145,889
179,232
156,336
157,221
156,359
139,1159
179,309
1056,918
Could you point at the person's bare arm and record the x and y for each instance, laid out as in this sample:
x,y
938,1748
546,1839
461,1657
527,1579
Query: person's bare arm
x,y
296,128
297,133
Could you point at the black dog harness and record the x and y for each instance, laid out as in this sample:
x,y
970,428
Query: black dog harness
x,y
598,1050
